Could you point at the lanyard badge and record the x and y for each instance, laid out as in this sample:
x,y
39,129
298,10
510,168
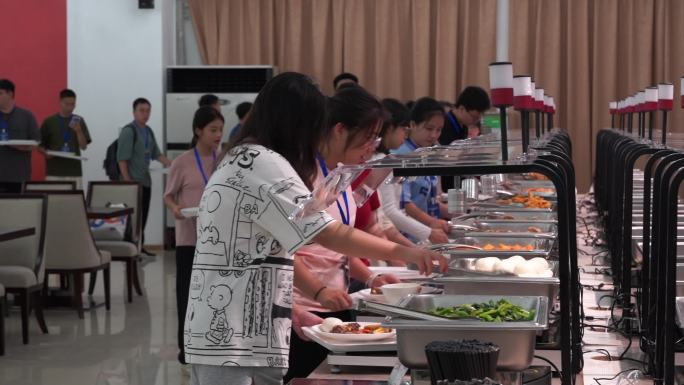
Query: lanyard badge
x,y
345,219
201,168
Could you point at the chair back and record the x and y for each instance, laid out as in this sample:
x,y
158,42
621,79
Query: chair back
x,y
49,186
24,211
106,193
69,243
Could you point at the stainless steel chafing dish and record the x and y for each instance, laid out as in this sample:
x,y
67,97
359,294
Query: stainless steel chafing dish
x,y
492,204
485,228
516,339
471,247
462,278
501,215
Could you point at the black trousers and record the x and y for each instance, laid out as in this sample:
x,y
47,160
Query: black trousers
x,y
184,257
146,196
305,356
10,187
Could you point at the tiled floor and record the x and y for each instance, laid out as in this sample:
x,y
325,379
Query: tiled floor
x,y
131,344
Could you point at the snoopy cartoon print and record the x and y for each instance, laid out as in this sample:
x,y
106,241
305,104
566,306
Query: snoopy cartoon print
x,y
218,300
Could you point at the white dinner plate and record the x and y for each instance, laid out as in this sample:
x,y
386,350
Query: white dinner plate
x,y
190,212
18,142
355,337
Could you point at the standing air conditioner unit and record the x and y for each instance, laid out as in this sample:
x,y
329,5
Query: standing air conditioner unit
x,y
184,87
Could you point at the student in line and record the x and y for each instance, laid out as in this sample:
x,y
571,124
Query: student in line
x,y
66,132
16,123
470,107
355,118
241,111
419,198
210,100
345,79
137,148
239,316
188,176
393,134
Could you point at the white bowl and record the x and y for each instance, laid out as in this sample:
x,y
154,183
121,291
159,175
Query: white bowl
x,y
394,292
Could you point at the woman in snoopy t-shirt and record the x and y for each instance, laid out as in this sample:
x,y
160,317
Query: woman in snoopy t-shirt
x,y
240,311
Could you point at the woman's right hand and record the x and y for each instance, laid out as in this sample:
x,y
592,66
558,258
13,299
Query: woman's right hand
x,y
438,236
334,299
424,259
440,224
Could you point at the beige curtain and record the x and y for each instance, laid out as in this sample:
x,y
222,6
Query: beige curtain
x,y
584,52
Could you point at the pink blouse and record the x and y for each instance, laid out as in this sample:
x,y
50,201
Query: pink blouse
x,y
330,267
185,185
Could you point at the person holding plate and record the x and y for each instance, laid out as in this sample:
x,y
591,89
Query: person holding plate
x,y
188,176
68,133
16,123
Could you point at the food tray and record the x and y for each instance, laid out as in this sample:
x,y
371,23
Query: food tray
x,y
508,229
505,215
542,247
513,207
516,339
463,279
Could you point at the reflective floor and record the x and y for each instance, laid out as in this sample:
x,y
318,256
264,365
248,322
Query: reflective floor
x,y
130,344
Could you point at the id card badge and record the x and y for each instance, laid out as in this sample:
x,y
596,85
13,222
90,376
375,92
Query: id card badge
x,y
433,207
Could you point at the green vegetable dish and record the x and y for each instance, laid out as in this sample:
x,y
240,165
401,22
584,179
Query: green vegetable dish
x,y
494,311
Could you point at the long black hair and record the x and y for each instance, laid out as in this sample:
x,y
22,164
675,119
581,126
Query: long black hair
x,y
357,110
424,109
396,115
288,117
203,116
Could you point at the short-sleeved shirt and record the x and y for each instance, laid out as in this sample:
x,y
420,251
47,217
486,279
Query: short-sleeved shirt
x,y
186,185
54,132
138,151
421,191
16,164
239,311
327,265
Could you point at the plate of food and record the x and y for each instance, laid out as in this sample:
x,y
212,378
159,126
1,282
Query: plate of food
x,y
335,329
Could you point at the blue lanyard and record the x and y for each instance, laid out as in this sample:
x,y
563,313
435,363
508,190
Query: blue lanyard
x,y
345,219
201,168
66,133
454,124
147,134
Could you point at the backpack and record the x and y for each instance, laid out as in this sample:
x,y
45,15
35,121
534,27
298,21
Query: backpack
x,y
110,164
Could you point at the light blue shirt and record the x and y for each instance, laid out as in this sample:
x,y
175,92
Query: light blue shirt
x,y
422,191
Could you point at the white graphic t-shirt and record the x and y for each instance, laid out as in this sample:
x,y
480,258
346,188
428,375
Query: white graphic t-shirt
x,y
239,310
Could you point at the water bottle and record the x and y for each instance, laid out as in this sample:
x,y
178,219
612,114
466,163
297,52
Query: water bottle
x,y
65,147
4,135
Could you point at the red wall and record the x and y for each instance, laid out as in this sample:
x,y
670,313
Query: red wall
x,y
33,54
